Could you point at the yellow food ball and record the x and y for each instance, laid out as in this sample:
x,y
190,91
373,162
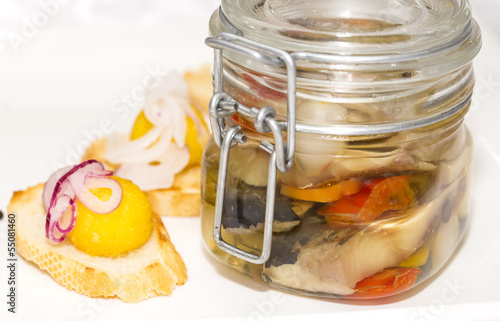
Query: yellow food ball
x,y
141,126
124,229
195,148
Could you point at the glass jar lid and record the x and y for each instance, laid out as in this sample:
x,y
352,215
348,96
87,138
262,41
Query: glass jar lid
x,y
353,32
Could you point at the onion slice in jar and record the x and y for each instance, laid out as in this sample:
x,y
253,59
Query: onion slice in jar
x,y
69,183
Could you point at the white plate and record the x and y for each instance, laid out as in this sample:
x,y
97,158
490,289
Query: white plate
x,y
54,96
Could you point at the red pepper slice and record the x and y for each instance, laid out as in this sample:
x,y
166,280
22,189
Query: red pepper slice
x,y
261,90
386,282
375,197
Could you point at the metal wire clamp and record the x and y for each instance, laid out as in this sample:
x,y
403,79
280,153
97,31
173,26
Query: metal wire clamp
x,y
222,105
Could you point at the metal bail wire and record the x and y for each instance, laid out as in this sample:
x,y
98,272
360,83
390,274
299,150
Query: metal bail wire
x,y
281,157
219,203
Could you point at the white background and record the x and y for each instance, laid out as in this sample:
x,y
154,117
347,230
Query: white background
x,y
60,83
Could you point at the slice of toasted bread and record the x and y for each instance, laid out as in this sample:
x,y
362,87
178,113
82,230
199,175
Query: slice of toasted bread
x,y
200,88
152,269
182,199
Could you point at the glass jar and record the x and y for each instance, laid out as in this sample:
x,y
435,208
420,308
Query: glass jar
x,y
339,162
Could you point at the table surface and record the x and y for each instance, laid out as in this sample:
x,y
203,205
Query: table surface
x,y
60,85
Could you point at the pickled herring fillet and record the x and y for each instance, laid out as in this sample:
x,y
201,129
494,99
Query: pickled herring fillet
x,y
296,277
331,265
281,267
286,246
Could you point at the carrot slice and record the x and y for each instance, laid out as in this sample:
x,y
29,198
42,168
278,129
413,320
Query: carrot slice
x,y
323,194
386,282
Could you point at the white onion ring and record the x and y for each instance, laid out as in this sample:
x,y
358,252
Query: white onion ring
x,y
149,177
151,153
173,85
169,112
119,148
67,184
167,105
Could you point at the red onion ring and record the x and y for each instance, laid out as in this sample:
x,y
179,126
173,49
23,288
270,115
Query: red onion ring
x,y
51,183
72,220
92,202
56,212
69,183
